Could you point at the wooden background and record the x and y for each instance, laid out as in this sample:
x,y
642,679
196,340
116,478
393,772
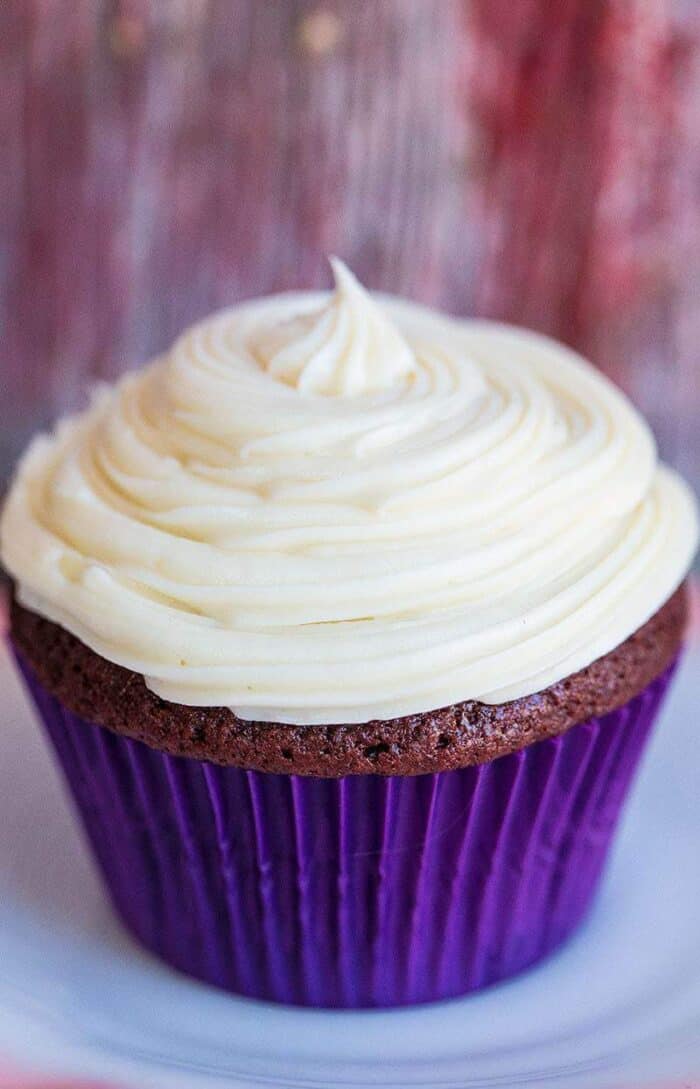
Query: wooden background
x,y
535,160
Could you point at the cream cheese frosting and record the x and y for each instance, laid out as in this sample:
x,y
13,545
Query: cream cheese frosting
x,y
334,507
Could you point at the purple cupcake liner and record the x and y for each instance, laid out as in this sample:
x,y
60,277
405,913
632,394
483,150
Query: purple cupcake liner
x,y
354,892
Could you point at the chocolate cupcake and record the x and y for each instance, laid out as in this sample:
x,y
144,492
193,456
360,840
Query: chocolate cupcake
x,y
348,623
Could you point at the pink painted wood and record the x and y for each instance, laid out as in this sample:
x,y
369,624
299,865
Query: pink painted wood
x,y
537,161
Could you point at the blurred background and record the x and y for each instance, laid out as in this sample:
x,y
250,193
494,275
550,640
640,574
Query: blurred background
x,y
533,160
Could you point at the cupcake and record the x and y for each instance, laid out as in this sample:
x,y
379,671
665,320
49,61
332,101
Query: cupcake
x,y
348,623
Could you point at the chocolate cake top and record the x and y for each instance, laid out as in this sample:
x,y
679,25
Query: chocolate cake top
x,y
465,733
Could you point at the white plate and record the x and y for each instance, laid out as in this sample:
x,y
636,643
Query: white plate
x,y
620,1005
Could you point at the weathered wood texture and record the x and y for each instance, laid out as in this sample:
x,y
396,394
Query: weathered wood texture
x,y
537,161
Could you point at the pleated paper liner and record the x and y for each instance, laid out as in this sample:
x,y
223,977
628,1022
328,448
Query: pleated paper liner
x,y
354,892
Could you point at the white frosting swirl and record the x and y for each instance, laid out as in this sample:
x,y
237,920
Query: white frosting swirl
x,y
330,508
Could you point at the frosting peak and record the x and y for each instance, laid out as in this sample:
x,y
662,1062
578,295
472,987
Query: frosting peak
x,y
347,347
